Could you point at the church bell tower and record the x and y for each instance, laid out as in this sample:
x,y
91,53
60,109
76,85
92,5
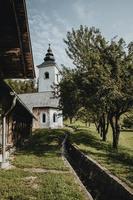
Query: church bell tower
x,y
48,72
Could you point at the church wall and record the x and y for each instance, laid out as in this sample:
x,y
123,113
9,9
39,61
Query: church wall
x,y
49,118
45,83
48,76
38,114
59,122
57,76
53,124
60,119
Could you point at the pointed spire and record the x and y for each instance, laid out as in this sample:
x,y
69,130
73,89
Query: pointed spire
x,y
49,46
49,55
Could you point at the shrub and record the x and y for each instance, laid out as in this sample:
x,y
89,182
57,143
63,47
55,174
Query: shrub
x,y
128,122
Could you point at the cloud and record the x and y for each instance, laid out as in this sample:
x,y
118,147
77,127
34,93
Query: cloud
x,y
83,11
44,31
62,22
50,20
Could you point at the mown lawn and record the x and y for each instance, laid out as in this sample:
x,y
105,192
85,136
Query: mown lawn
x,y
19,185
120,162
41,152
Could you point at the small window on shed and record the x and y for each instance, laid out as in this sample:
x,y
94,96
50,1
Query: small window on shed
x,y
54,117
43,117
46,75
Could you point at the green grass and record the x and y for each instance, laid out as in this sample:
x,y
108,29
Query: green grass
x,y
42,151
19,185
120,162
13,185
125,140
59,187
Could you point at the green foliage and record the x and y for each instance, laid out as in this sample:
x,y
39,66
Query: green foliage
x,y
128,122
68,93
20,87
84,116
103,75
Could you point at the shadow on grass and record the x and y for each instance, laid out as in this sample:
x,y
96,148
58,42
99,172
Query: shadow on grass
x,y
87,138
43,141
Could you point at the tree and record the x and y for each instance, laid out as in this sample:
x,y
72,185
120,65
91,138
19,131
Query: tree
x,y
121,90
128,121
85,116
68,94
103,76
86,48
20,87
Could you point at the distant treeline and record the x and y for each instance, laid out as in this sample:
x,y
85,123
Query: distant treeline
x,y
22,86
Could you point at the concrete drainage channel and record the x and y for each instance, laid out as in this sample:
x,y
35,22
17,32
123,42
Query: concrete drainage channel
x,y
98,181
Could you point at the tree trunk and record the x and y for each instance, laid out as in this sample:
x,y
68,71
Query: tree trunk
x,y
87,124
71,120
105,126
101,127
98,128
114,122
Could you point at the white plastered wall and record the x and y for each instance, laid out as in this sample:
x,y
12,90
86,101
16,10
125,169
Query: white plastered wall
x,y
38,112
59,120
45,84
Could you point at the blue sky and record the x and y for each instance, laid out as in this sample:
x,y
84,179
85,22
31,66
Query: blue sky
x,y
49,21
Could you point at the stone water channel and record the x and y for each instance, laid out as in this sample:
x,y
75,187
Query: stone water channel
x,y
99,182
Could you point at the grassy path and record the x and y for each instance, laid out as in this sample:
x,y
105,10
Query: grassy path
x,y
39,172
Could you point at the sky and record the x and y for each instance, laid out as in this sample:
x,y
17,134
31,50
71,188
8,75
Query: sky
x,y
50,20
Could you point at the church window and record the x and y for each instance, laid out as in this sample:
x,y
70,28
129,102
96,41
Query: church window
x,y
57,75
46,75
43,118
54,117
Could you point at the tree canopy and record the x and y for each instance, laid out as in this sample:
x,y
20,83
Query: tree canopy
x,y
68,94
103,76
22,86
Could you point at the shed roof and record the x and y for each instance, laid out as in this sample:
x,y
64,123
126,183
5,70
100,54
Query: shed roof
x,y
16,59
41,99
10,94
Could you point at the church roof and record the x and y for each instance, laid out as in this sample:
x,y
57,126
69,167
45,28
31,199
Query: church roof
x,y
49,59
49,55
41,99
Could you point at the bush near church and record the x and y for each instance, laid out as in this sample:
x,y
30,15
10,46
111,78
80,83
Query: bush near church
x,y
128,122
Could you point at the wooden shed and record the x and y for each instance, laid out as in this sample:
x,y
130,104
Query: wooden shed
x,y
16,61
18,118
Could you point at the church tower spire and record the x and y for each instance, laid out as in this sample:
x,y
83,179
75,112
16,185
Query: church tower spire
x,y
48,72
49,57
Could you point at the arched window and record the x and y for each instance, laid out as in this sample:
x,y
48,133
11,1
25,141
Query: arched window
x,y
46,75
43,118
54,117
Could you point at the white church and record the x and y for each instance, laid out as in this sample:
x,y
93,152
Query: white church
x,y
43,104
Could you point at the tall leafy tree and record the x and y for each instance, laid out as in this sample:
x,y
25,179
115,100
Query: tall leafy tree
x,y
86,47
121,90
85,116
103,76
68,93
